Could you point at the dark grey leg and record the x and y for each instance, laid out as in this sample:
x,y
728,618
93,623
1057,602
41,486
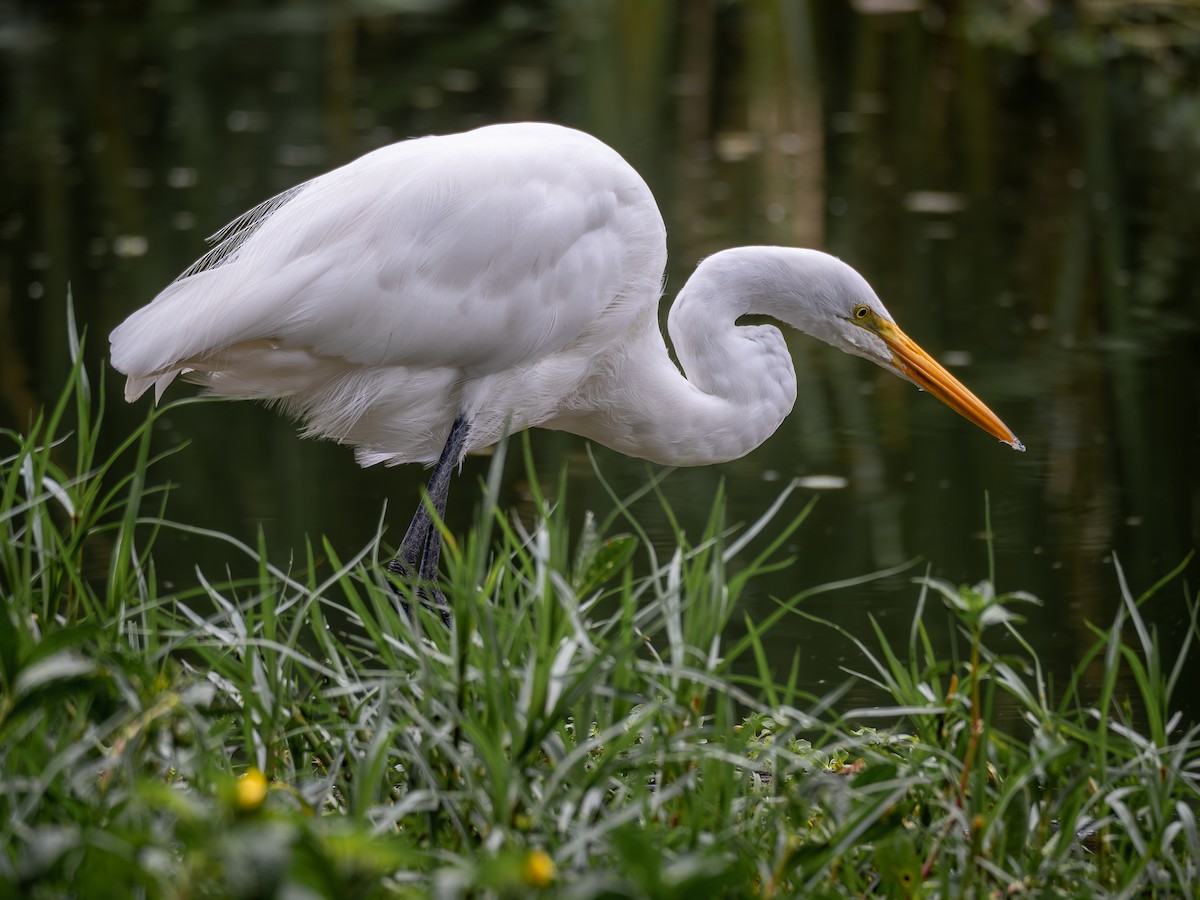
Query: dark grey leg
x,y
421,548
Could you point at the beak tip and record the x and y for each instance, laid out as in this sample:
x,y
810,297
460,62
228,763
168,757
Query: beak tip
x,y
1015,443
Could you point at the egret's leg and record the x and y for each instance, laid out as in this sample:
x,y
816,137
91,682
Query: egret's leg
x,y
421,548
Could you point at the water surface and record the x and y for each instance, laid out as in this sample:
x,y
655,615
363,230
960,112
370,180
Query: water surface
x,y
1022,193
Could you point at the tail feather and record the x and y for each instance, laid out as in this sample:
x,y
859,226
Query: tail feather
x,y
203,318
136,385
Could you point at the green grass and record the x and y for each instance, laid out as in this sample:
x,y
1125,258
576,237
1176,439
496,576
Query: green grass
x,y
586,729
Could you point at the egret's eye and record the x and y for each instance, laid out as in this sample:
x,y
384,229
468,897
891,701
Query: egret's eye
x,y
861,312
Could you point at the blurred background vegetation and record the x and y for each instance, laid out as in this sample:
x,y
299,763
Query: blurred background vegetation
x,y
1020,181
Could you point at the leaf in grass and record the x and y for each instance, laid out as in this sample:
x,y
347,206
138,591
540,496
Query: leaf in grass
x,y
703,872
53,643
198,694
998,615
9,646
45,682
1187,822
1016,827
609,559
899,866
1021,597
948,591
44,848
51,671
873,774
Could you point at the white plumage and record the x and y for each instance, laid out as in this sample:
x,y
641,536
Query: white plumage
x,y
380,299
507,277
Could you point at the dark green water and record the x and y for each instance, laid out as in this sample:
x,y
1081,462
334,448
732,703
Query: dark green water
x,y
1023,194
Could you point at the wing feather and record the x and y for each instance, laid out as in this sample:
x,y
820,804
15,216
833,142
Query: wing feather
x,y
480,251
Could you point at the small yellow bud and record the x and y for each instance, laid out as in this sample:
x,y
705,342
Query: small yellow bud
x,y
539,868
251,790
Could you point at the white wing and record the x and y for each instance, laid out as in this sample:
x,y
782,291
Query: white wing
x,y
479,251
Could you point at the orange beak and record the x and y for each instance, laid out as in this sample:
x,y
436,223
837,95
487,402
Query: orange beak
x,y
927,373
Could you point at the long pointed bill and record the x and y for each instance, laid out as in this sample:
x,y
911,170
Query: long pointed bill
x,y
927,373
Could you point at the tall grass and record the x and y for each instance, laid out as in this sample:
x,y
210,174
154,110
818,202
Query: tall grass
x,y
584,729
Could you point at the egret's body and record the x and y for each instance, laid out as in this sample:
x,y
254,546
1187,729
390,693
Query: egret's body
x,y
494,273
504,278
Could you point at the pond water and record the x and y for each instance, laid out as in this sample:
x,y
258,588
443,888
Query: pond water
x,y
1022,190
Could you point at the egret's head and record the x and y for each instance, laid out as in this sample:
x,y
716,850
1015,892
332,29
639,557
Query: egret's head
x,y
824,297
863,327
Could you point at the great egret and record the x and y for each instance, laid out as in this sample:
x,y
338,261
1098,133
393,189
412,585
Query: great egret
x,y
435,294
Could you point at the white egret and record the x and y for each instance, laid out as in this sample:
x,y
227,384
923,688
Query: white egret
x,y
435,294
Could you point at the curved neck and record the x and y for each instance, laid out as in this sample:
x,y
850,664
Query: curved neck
x,y
738,382
737,385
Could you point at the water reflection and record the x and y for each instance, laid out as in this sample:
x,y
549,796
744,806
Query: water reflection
x,y
1021,193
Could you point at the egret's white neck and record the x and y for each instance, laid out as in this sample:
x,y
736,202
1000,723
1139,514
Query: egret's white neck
x,y
737,384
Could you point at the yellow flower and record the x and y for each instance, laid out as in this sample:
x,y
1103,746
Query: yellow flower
x,y
251,790
539,868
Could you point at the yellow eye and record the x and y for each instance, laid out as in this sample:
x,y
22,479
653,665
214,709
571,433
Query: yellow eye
x,y
862,312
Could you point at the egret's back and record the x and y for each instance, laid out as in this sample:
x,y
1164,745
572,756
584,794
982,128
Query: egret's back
x,y
430,277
